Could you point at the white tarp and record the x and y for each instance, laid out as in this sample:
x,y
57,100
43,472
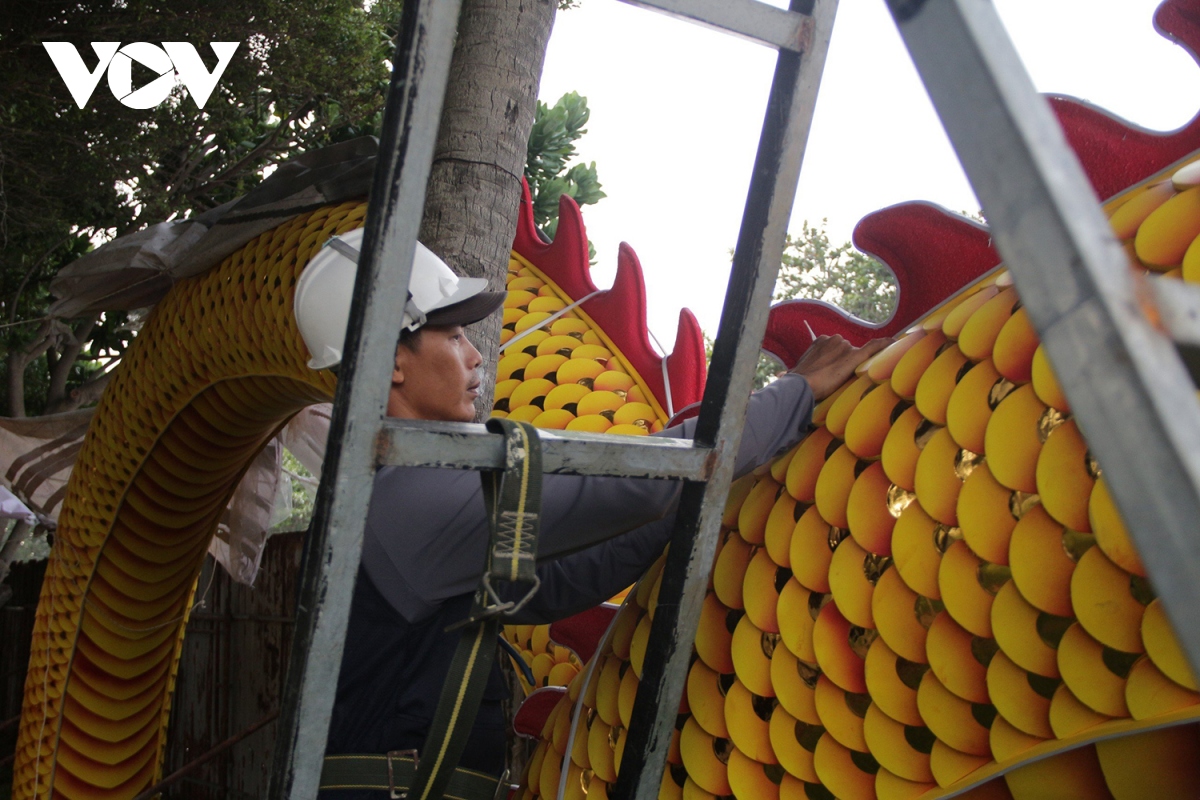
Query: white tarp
x,y
136,270
13,508
37,455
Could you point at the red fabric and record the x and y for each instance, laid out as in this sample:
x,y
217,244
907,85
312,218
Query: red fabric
x,y
1115,154
535,710
583,631
932,252
619,311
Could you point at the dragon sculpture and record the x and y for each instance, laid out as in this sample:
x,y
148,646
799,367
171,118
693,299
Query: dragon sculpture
x,y
932,594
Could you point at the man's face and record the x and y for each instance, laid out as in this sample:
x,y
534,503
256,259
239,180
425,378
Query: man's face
x,y
439,379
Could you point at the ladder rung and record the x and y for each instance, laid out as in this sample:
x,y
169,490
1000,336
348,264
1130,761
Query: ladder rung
x,y
1178,308
751,19
461,445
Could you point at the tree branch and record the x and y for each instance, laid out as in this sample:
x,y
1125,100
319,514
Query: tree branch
x,y
60,368
19,359
12,314
262,148
85,394
16,383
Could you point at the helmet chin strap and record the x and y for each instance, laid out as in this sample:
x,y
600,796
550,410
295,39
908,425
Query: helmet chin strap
x,y
410,308
413,313
340,246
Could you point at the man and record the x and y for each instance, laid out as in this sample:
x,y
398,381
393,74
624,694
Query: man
x,y
427,535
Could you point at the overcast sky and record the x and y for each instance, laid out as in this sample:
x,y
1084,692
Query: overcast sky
x,y
677,109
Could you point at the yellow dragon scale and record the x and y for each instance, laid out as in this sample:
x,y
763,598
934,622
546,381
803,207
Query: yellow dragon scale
x,y
218,368
216,371
930,596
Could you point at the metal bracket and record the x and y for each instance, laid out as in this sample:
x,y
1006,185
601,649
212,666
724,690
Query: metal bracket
x,y
1177,308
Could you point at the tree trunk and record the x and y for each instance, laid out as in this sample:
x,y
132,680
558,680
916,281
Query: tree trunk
x,y
18,360
16,383
62,363
475,186
82,395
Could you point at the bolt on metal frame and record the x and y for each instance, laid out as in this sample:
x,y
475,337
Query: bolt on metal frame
x,y
361,439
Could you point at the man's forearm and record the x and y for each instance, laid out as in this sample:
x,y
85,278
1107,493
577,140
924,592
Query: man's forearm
x,y
583,579
427,533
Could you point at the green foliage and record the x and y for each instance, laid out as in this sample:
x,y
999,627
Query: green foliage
x,y
299,503
765,370
813,268
307,73
551,147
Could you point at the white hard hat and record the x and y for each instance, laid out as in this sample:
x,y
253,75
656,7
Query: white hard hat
x,y
436,296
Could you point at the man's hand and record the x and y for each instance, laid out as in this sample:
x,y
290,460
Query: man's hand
x,y
830,362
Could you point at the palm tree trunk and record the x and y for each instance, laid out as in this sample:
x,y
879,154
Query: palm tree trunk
x,y
475,186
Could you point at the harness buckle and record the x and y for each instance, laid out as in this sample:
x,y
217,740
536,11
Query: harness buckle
x,y
509,609
502,786
497,606
399,754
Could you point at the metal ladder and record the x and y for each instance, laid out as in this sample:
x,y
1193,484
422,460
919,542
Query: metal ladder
x,y
1123,375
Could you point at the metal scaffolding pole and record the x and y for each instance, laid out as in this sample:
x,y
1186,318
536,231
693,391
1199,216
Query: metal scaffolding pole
x,y
723,409
334,546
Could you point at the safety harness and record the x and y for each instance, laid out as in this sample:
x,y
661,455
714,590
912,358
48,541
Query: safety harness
x,y
513,497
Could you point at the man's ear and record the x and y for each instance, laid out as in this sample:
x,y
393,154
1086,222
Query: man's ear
x,y
399,365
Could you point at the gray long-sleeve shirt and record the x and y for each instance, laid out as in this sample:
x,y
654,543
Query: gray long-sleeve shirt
x,y
427,532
